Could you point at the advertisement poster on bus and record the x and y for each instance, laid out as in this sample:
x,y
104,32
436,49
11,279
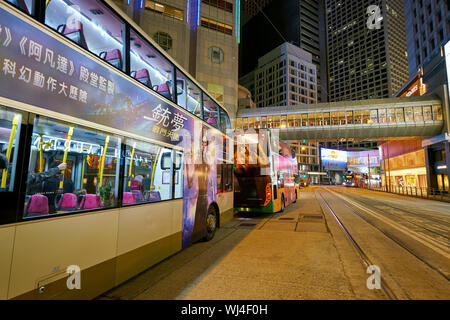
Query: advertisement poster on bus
x,y
57,77
41,70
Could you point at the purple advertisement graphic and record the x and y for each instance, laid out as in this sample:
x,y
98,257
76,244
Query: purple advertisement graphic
x,y
38,69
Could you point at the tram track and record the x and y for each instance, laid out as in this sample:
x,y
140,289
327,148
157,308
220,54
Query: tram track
x,y
363,256
410,213
387,234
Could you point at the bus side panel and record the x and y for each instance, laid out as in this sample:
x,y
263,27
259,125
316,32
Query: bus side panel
x,y
6,250
225,202
277,201
44,249
147,235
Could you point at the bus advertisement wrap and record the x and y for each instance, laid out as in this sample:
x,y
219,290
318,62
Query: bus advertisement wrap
x,y
58,77
40,70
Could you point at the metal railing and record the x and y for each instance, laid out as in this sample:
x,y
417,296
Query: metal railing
x,y
425,193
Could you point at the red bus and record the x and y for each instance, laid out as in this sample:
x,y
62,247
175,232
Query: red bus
x,y
355,179
265,173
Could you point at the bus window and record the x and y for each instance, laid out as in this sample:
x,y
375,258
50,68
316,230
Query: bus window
x,y
148,177
437,113
264,122
211,111
228,177
225,121
71,169
10,125
188,95
150,67
24,5
91,25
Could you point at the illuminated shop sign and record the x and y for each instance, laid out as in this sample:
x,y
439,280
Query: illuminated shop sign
x,y
416,88
38,69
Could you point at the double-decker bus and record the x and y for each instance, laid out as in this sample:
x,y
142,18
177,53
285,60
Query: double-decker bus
x,y
355,179
112,157
265,173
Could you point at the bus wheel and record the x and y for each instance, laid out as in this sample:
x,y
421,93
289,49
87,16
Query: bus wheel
x,y
282,203
211,223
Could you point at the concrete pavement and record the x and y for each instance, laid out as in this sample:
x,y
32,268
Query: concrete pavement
x,y
290,255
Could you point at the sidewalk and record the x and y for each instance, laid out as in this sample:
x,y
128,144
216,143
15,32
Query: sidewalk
x,y
282,256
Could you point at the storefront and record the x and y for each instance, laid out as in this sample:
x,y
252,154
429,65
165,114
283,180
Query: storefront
x,y
437,153
403,164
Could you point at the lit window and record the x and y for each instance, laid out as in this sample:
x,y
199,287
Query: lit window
x,y
218,26
164,9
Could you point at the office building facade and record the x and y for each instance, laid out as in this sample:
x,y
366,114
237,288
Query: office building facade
x,y
364,61
284,76
299,22
427,30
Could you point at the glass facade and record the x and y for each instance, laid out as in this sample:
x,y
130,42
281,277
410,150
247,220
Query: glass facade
x,y
349,117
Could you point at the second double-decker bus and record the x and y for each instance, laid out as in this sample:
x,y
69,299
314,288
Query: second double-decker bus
x,y
265,173
111,155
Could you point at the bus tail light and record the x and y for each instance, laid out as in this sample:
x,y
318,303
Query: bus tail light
x,y
268,194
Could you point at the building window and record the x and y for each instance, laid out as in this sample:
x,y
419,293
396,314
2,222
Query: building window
x,y
221,4
164,9
163,39
215,54
218,26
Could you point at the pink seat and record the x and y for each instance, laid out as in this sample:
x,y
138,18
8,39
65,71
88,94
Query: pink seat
x,y
91,201
211,119
164,90
153,196
37,205
66,202
138,195
74,32
128,198
113,57
143,76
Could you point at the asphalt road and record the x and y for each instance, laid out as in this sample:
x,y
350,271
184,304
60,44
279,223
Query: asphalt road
x,y
318,248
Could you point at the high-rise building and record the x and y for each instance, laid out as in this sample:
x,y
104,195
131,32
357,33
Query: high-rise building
x,y
365,62
427,30
300,22
201,35
252,7
284,76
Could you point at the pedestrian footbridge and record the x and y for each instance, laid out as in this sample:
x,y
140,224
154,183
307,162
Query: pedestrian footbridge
x,y
366,119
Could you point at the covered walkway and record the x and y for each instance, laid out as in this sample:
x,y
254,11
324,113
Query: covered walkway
x,y
376,118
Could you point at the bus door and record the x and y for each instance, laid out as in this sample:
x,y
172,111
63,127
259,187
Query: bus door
x,y
178,175
161,173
